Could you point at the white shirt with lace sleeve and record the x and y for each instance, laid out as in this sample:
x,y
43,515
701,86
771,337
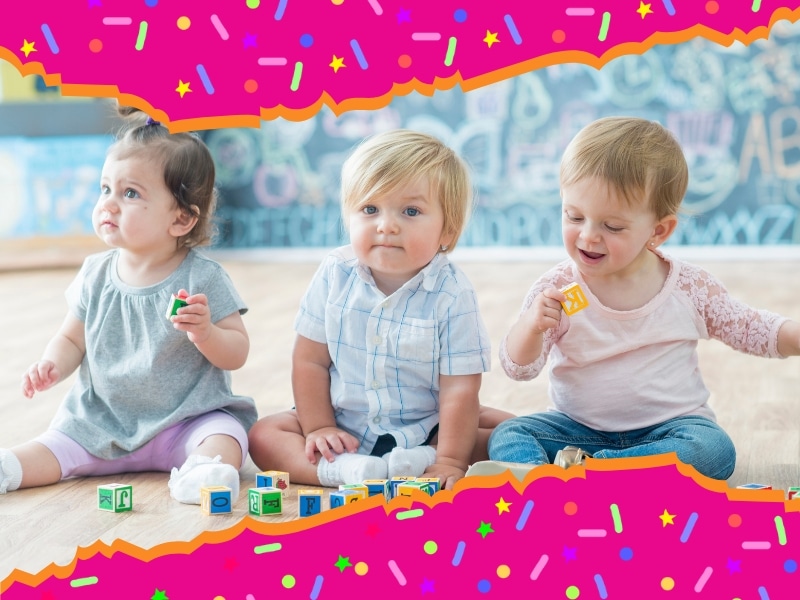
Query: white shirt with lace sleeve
x,y
623,370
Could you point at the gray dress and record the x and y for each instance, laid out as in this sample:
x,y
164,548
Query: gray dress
x,y
139,375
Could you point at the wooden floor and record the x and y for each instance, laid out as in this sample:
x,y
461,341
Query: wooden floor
x,y
756,400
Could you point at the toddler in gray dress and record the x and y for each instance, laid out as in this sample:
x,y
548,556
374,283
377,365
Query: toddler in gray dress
x,y
151,393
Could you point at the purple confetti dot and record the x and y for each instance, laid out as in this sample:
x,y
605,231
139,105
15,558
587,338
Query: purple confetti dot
x,y
151,3
460,15
306,40
626,553
790,566
484,586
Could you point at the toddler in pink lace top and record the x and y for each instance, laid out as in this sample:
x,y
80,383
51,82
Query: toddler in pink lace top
x,y
624,378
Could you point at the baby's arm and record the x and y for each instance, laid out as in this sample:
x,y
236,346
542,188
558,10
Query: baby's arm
x,y
525,340
459,409
62,355
225,343
311,385
789,339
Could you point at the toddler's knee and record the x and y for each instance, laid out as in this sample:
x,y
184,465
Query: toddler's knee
x,y
712,454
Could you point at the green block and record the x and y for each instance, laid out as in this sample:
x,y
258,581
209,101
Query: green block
x,y
265,501
115,497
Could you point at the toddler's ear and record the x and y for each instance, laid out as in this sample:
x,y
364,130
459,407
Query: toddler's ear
x,y
185,221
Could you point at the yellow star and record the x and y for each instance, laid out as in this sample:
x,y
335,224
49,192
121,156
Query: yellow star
x,y
491,38
182,87
666,519
337,63
644,9
27,47
502,506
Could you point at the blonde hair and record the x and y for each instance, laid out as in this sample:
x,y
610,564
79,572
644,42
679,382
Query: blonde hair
x,y
188,168
636,157
385,161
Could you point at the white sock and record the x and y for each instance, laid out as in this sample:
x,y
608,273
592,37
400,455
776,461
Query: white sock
x,y
410,462
350,468
201,471
10,471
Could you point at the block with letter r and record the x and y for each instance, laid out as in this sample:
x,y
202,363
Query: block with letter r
x,y
115,497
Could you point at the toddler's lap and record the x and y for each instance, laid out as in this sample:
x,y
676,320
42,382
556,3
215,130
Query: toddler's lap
x,y
168,449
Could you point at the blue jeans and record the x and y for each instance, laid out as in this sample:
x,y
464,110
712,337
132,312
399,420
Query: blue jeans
x,y
536,438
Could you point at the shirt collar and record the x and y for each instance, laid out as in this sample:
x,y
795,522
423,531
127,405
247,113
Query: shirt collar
x,y
427,277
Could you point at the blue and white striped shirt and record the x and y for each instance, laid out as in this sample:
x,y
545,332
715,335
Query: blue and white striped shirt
x,y
387,353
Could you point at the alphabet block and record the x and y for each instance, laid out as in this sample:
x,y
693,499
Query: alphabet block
x,y
343,497
576,299
265,501
309,502
276,479
216,500
175,302
379,486
115,497
434,484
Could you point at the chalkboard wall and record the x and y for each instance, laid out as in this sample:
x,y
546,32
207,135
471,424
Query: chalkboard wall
x,y
736,111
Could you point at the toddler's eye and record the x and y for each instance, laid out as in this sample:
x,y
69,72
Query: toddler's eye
x,y
411,211
104,189
129,193
369,210
614,229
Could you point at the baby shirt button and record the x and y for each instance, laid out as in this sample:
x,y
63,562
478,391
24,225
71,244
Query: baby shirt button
x,y
375,385
377,340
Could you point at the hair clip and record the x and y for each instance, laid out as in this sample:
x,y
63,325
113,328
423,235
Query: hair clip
x,y
151,121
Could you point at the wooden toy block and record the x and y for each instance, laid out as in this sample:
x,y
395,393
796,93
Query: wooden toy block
x,y
379,486
356,487
793,491
343,497
434,484
309,502
115,497
276,479
265,501
216,500
576,299
407,488
753,486
395,481
175,302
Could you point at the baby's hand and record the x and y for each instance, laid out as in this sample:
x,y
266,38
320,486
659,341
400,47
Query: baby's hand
x,y
39,377
447,474
545,312
329,441
194,318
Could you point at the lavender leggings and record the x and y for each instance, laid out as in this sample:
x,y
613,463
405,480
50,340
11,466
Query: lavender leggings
x,y
168,449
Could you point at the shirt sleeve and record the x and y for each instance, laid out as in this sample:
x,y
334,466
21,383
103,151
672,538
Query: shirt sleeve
x,y
76,293
223,299
557,277
728,320
310,319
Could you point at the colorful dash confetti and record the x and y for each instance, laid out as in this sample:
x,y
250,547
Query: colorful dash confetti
x,y
470,44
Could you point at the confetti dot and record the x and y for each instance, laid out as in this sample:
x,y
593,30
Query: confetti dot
x,y
338,2
253,3
484,586
250,86
404,61
151,3
667,583
361,568
503,571
559,36
734,520
626,553
573,592
219,597
288,581
95,45
712,7
306,40
184,23
570,508
430,547
790,566
460,15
